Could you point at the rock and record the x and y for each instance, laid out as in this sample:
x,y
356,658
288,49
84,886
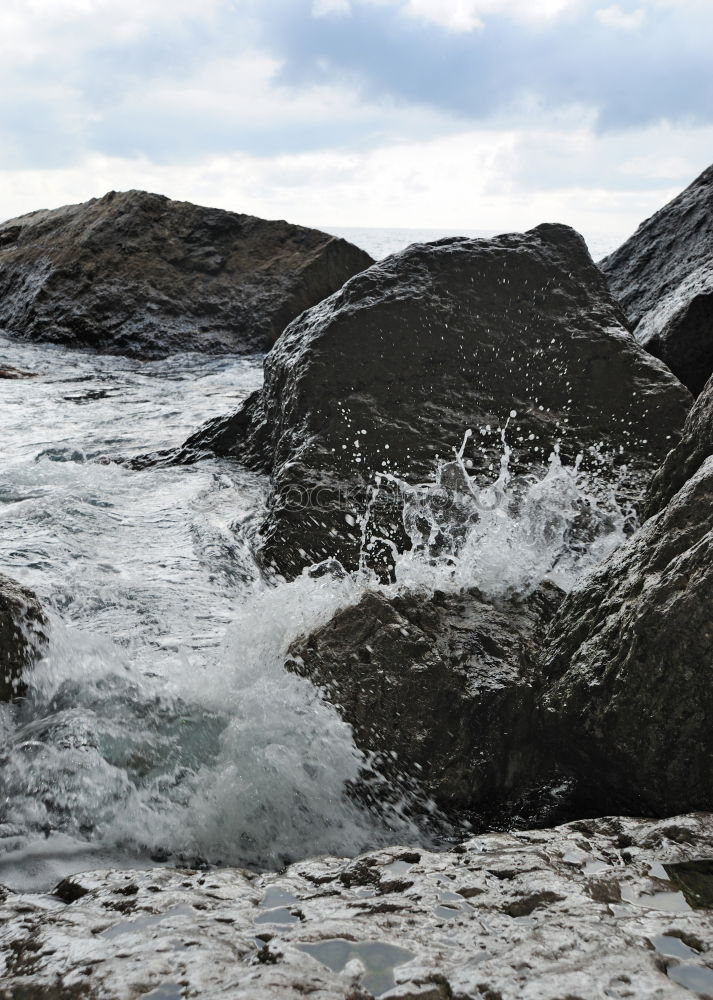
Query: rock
x,y
388,374
15,373
445,682
594,910
22,633
686,458
663,277
629,659
135,273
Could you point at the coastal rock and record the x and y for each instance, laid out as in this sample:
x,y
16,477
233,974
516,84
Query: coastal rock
x,y
22,631
441,687
138,274
385,376
663,277
14,373
686,458
630,663
604,909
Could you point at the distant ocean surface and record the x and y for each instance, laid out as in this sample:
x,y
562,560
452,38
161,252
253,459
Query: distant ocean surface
x,y
382,242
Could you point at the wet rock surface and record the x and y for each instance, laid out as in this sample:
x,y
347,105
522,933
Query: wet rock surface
x,y
595,910
136,273
14,374
630,660
663,277
386,375
683,461
441,687
22,633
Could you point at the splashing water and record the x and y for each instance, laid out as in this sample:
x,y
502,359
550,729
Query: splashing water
x,y
161,722
233,762
509,536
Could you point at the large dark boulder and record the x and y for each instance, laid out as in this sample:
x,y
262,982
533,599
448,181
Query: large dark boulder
x,y
444,684
629,657
388,373
663,277
22,634
139,274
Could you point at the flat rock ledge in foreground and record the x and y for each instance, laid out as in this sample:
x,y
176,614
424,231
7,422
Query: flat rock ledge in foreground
x,y
596,910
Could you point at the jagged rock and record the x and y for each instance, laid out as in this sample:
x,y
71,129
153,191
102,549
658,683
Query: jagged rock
x,y
22,632
445,682
139,274
683,461
388,373
630,663
596,910
663,277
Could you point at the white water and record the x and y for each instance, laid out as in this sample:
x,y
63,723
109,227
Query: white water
x,y
161,718
161,723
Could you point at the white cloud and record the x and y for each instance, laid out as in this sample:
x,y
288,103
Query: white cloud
x,y
378,160
616,17
468,15
484,179
457,15
234,97
323,8
62,29
663,167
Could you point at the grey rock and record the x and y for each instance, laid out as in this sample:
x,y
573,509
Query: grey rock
x,y
387,375
138,274
595,910
629,659
22,634
663,277
444,682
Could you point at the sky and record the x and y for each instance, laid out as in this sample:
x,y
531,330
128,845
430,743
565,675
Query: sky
x,y
451,114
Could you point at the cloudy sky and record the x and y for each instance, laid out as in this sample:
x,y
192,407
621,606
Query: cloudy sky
x,y
457,114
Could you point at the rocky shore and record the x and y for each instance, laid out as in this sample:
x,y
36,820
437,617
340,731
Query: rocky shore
x,y
599,909
535,698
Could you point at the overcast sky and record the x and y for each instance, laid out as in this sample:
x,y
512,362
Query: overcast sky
x,y
473,114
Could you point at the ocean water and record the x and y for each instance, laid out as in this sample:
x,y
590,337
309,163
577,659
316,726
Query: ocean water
x,y
382,242
161,726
